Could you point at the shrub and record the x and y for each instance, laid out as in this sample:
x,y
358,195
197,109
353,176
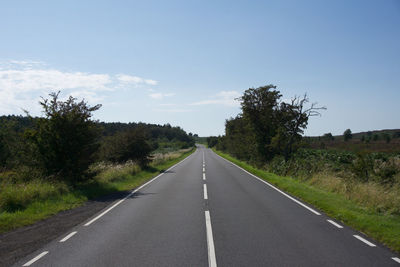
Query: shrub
x,y
347,135
124,146
66,138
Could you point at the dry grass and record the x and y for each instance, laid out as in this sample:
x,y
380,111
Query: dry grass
x,y
160,158
371,195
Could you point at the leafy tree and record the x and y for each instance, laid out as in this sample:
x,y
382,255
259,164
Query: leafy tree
x,y
212,141
347,135
128,145
258,108
276,125
293,119
375,137
66,137
328,137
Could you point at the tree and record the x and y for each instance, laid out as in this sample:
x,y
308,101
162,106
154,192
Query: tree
x,y
66,137
276,125
347,135
328,137
128,145
293,118
258,108
212,141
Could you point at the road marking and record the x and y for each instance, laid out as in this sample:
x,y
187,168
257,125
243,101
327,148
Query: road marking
x,y
203,156
133,192
204,170
212,262
335,224
204,176
205,191
35,258
396,259
270,185
68,237
364,240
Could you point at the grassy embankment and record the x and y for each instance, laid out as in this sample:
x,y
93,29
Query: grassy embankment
x,y
25,203
355,206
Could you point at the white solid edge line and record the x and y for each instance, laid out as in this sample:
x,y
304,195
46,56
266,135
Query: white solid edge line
x,y
212,262
35,258
67,237
204,176
335,224
365,241
270,185
133,192
396,259
205,191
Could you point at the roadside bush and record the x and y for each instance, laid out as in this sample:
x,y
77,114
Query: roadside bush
x,y
66,138
362,166
124,146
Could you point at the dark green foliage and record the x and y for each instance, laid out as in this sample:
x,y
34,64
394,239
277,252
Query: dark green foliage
x,y
212,141
124,146
66,138
386,137
328,137
347,135
361,166
267,126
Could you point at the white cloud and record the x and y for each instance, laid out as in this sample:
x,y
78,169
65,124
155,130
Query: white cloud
x,y
23,82
225,98
124,78
172,110
160,95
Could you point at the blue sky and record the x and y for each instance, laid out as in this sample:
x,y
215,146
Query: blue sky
x,y
184,62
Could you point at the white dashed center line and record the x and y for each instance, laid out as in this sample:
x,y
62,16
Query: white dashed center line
x,y
35,258
212,262
205,191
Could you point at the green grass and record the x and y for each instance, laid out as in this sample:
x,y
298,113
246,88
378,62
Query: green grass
x,y
382,227
27,203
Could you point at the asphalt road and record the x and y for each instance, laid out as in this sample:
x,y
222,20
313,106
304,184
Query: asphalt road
x,y
207,212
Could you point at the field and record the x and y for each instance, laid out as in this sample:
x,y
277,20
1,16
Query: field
x,y
385,141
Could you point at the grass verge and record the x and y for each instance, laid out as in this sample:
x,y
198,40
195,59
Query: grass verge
x,y
382,227
27,203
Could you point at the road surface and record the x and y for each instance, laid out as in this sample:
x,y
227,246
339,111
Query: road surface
x,y
205,211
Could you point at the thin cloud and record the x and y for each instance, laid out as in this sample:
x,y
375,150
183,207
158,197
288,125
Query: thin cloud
x,y
124,78
172,110
23,82
160,95
225,98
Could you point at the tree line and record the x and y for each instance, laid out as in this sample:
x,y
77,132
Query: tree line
x,y
267,125
67,140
